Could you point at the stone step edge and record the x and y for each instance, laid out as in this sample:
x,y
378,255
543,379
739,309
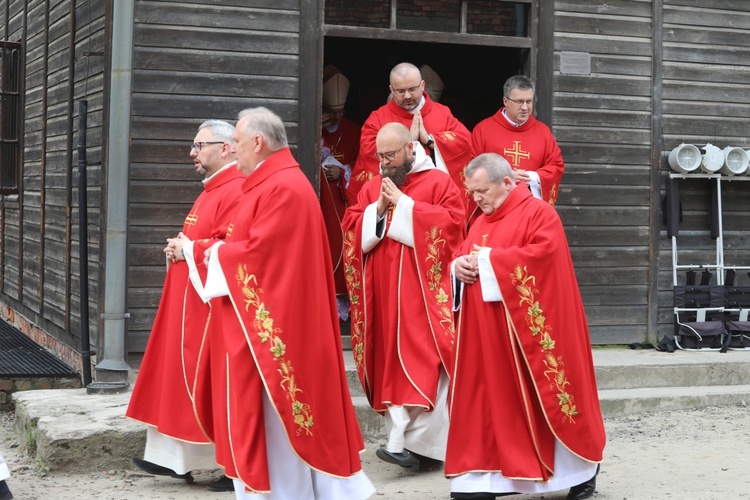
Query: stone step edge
x,y
614,403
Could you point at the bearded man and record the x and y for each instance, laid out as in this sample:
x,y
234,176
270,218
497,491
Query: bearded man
x,y
399,237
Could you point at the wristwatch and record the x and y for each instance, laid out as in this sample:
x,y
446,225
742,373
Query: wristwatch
x,y
429,142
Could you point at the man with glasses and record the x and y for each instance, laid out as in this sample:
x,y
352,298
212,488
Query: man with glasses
x,y
430,124
515,134
274,396
398,240
162,397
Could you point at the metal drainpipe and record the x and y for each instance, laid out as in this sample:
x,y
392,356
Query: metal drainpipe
x,y
112,369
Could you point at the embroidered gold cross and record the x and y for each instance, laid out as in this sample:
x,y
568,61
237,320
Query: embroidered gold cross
x,y
516,153
191,219
484,242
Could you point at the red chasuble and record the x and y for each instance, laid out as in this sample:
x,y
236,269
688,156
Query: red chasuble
x,y
344,146
277,332
402,325
528,147
524,373
452,142
163,391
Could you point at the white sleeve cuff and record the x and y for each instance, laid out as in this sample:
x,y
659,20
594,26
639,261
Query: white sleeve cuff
x,y
439,161
195,279
535,184
216,282
490,288
370,236
402,227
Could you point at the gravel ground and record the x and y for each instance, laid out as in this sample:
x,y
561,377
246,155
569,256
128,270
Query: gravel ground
x,y
686,454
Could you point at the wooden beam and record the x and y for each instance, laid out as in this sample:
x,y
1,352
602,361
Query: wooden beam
x,y
310,88
657,143
419,36
544,60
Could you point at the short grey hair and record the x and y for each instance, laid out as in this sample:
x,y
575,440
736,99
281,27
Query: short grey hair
x,y
495,165
517,82
267,124
219,128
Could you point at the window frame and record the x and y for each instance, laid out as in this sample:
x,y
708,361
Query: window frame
x,y
10,126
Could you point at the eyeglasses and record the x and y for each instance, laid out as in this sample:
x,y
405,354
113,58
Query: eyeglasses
x,y
411,90
389,156
199,145
521,102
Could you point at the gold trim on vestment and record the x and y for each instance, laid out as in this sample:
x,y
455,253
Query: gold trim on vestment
x,y
536,323
263,323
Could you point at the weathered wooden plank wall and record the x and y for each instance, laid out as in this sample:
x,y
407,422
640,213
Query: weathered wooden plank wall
x,y
706,100
40,230
602,121
194,60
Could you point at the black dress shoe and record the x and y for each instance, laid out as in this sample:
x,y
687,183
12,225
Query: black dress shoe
x,y
404,459
585,489
426,464
158,470
223,484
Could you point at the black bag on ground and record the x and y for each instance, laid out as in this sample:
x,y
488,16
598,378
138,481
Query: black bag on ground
x,y
739,334
694,331
701,335
737,303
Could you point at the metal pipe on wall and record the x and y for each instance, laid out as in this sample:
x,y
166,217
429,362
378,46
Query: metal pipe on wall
x,y
112,367
83,239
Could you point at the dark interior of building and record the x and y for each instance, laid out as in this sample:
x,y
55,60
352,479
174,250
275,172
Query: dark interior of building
x,y
473,75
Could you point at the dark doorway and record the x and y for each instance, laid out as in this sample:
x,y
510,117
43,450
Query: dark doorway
x,y
473,75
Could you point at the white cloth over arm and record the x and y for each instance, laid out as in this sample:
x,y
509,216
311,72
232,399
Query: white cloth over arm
x,y
216,282
373,227
402,225
534,183
490,288
195,279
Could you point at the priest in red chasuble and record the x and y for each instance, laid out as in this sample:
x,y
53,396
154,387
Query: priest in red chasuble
x,y
399,238
430,123
162,397
339,150
525,413
528,145
271,390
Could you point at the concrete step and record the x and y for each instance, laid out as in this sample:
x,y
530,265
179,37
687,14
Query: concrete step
x,y
72,430
618,402
631,381
623,368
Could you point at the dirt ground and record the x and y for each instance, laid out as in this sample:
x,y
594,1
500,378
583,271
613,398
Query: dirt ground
x,y
685,454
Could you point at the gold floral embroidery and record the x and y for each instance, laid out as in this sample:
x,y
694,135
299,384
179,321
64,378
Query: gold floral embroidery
x,y
447,135
553,195
435,251
263,324
462,177
364,176
354,285
536,321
